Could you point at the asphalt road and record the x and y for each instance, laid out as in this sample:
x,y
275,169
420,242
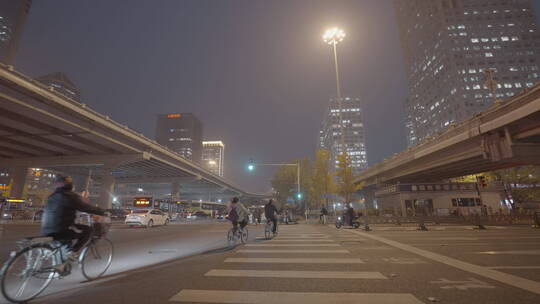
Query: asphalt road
x,y
318,264
134,248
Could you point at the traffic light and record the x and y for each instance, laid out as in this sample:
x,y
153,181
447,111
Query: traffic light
x,y
481,181
299,196
251,165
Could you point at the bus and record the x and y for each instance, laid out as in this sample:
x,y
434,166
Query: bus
x,y
174,208
210,209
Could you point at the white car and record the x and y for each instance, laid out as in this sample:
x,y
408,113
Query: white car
x,y
147,217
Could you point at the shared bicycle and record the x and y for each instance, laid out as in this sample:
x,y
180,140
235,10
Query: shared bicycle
x,y
241,235
39,260
268,230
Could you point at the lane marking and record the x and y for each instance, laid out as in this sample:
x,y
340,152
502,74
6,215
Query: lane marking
x,y
294,251
296,260
514,267
492,274
270,297
293,245
472,283
515,252
369,275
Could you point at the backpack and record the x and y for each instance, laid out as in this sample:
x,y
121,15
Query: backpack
x,y
233,215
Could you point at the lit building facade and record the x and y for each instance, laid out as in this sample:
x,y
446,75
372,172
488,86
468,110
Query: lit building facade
x,y
13,15
353,125
182,133
213,156
449,44
62,84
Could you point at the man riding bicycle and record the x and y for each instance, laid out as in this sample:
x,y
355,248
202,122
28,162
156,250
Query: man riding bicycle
x,y
60,213
238,214
270,212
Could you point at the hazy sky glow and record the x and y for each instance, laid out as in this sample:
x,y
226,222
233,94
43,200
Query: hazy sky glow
x,y
257,73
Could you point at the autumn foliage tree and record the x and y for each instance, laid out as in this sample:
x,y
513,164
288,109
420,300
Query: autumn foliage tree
x,y
345,178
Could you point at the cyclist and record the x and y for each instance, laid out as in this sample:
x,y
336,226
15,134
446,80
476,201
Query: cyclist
x,y
270,212
238,214
60,212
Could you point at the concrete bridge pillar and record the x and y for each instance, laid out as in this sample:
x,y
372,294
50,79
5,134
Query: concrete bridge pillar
x,y
106,191
175,190
18,181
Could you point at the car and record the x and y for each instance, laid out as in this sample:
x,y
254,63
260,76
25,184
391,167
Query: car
x,y
117,214
147,218
198,215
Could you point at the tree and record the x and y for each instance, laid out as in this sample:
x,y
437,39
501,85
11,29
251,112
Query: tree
x,y
284,183
524,182
345,178
322,184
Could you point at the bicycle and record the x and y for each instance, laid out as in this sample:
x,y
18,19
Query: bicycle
x,y
268,233
47,260
233,238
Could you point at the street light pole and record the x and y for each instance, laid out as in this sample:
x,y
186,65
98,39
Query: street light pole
x,y
333,37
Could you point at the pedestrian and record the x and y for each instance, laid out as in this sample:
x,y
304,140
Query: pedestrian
x,y
257,215
350,214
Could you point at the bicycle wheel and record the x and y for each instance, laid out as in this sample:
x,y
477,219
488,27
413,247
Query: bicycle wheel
x,y
28,273
96,258
230,238
244,235
267,231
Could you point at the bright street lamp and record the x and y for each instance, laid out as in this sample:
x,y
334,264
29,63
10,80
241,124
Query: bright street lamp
x,y
333,36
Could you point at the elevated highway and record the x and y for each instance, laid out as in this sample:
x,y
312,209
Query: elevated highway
x,y
505,135
41,128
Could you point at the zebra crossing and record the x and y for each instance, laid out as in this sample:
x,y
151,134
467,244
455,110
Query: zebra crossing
x,y
297,245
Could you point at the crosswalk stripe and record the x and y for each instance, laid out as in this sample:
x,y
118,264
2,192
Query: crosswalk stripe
x,y
303,241
269,297
292,245
304,234
295,274
294,251
296,260
301,237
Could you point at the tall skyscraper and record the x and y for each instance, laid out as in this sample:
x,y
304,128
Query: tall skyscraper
x,y
182,133
213,156
450,45
13,15
353,125
60,83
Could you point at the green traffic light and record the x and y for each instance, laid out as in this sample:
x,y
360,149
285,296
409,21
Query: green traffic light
x,y
299,195
251,167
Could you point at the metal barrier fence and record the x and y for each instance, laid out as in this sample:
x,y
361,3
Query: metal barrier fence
x,y
531,219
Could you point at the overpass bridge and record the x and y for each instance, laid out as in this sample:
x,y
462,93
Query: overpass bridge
x,y
505,135
41,128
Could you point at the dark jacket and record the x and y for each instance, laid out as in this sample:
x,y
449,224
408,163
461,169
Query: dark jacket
x,y
324,211
60,211
270,211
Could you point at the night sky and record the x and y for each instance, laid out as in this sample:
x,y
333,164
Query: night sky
x,y
257,73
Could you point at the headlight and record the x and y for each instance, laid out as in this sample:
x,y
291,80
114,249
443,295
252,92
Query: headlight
x,y
339,218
